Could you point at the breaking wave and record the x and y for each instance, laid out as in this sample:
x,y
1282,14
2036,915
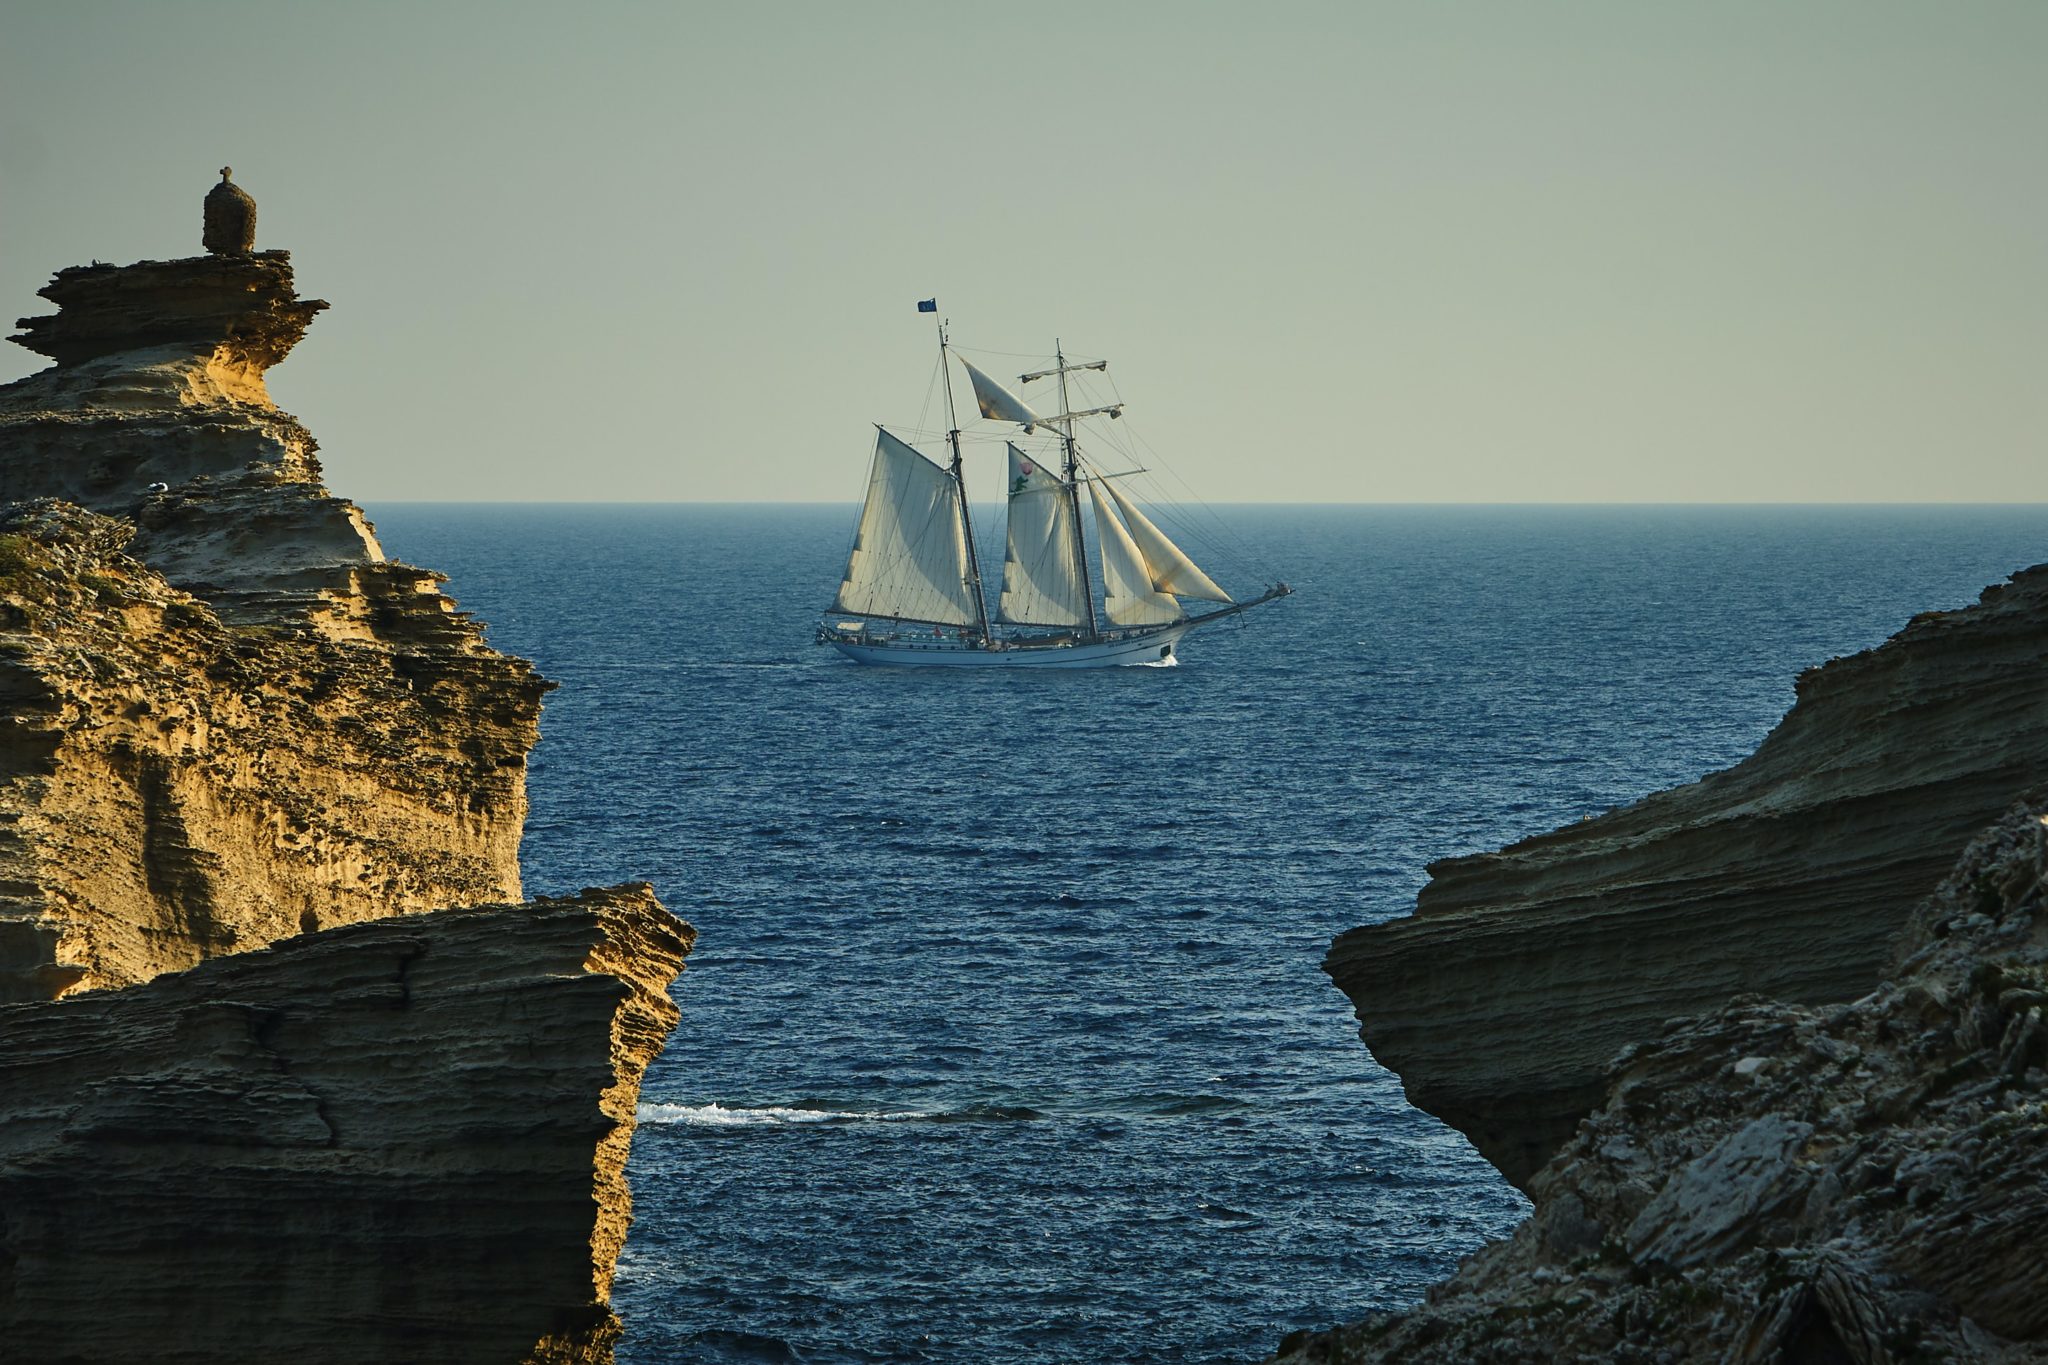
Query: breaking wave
x,y
716,1115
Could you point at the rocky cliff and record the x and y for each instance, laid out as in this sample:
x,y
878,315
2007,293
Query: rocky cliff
x,y
1522,972
229,717
1770,1183
227,721
402,1140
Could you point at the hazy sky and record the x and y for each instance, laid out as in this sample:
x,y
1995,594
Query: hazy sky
x,y
1631,251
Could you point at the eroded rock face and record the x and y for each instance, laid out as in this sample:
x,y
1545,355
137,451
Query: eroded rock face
x,y
1522,972
230,717
227,721
1864,1182
402,1140
159,381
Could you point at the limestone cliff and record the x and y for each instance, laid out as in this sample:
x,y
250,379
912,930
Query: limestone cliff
x,y
393,1141
1773,1184
229,717
228,721
1522,972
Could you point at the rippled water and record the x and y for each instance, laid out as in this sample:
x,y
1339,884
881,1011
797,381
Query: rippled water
x,y
1005,1038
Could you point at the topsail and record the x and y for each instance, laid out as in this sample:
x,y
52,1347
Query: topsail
x,y
999,403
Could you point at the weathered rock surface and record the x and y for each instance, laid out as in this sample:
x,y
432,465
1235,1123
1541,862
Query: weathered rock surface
x,y
1864,1183
395,1141
159,380
227,721
228,718
1522,972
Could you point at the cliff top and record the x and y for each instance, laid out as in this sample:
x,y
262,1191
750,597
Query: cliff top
x,y
156,413
244,304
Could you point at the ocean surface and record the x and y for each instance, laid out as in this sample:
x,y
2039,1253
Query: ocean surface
x,y
1005,1038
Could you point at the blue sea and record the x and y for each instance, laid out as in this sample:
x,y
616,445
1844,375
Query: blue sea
x,y
1006,1038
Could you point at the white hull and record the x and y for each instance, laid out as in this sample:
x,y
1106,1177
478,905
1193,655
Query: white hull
x,y
1154,647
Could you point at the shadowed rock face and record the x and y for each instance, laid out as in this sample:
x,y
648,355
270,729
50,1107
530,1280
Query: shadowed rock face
x,y
1523,972
1775,1184
402,1140
231,718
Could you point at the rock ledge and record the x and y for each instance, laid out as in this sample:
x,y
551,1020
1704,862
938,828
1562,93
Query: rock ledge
x,y
1522,972
371,1143
1775,1184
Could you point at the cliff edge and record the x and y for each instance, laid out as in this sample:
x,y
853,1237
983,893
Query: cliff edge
x,y
372,1143
1522,972
285,1073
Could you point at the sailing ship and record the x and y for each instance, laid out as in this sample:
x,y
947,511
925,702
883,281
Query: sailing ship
x,y
912,591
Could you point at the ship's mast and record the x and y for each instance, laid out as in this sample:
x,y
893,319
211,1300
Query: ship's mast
x,y
960,484
1074,490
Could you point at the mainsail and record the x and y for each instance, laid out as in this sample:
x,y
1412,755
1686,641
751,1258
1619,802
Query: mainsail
x,y
1171,570
1041,577
1130,597
909,558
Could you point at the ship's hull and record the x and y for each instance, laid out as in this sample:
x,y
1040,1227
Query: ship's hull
x,y
1155,647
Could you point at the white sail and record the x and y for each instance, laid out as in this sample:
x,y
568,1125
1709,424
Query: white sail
x,y
1129,597
1172,570
997,402
909,558
1041,575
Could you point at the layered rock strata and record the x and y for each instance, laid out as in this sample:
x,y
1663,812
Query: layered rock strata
x,y
228,721
1522,972
229,717
1863,1183
393,1141
160,381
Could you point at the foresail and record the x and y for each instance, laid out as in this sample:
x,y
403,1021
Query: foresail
x,y
909,558
997,402
1172,571
1129,597
1041,575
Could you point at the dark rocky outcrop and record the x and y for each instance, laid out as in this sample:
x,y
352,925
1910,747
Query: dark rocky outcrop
x,y
1774,1184
1522,972
394,1141
241,312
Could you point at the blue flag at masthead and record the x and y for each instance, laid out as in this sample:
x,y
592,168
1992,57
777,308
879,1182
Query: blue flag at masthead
x,y
927,305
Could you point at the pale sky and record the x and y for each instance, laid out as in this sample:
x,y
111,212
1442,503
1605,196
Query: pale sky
x,y
1358,252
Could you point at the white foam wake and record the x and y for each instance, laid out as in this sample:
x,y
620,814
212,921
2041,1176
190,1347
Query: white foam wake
x,y
715,1115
